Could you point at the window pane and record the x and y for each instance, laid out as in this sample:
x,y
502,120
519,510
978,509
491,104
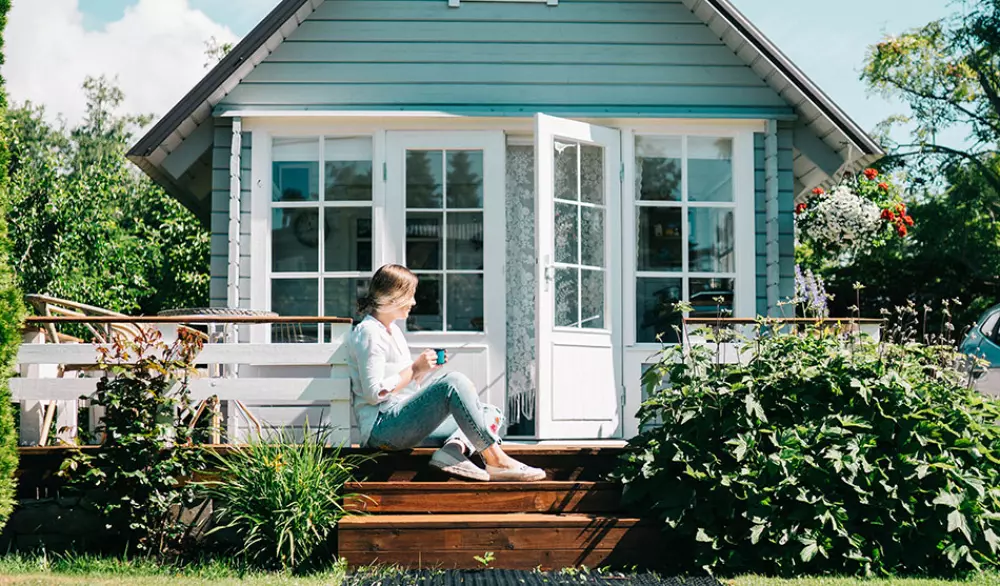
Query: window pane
x,y
566,182
567,292
592,299
567,238
423,240
593,236
295,169
348,240
423,179
712,238
711,297
658,168
465,179
710,169
295,240
294,297
426,315
340,296
659,246
465,303
654,309
465,240
592,174
348,163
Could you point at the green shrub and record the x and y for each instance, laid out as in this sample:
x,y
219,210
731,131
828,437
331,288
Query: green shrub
x,y
282,497
11,313
146,451
819,453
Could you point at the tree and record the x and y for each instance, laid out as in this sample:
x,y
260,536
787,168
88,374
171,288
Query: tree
x,y
951,253
11,313
91,228
948,73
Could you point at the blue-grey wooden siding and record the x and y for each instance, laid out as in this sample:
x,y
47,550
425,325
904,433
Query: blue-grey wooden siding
x,y
594,56
786,220
220,214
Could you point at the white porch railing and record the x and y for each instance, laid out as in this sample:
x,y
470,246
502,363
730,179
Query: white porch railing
x,y
278,385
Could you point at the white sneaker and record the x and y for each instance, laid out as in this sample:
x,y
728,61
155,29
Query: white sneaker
x,y
519,473
451,460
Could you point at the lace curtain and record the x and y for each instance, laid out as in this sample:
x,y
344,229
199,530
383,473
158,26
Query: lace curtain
x,y
520,202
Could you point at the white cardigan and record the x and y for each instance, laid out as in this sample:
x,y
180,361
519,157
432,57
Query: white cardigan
x,y
375,357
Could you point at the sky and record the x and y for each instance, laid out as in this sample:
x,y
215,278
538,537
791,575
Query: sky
x,y
156,48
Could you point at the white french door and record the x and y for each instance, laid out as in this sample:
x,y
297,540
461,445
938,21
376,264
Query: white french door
x,y
578,214
445,220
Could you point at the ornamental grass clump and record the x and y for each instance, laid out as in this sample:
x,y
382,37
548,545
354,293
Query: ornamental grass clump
x,y
819,451
283,497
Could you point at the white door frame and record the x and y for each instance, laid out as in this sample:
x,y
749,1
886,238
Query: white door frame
x,y
604,419
493,340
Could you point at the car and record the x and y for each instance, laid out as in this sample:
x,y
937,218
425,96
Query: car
x,y
983,341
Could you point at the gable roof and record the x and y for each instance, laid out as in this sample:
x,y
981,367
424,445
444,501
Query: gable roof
x,y
817,113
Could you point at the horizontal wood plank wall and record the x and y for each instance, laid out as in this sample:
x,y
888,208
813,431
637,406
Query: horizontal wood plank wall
x,y
220,215
421,54
786,219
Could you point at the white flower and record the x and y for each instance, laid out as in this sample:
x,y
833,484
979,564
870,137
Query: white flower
x,y
842,219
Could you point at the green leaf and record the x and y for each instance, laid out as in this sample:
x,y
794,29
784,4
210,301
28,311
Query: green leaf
x,y
703,537
956,520
809,551
756,532
992,539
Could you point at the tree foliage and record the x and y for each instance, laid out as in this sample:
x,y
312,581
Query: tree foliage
x,y
948,73
11,312
91,228
951,252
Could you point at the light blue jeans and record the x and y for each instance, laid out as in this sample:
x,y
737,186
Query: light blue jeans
x,y
449,409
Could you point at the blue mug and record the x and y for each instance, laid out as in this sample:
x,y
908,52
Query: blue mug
x,y
441,357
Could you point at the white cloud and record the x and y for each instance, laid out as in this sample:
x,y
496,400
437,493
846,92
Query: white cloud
x,y
156,50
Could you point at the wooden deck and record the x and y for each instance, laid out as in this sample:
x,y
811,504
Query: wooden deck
x,y
415,517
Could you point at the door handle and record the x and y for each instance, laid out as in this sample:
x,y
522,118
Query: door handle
x,y
548,274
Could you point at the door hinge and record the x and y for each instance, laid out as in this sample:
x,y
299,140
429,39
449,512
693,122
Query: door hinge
x,y
385,171
621,173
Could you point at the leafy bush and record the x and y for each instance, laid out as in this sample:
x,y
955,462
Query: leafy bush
x,y
283,498
146,450
11,313
819,452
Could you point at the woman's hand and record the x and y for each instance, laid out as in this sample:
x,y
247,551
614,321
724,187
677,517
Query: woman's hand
x,y
426,362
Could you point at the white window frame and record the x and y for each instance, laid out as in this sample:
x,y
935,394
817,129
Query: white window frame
x,y
262,211
635,354
494,223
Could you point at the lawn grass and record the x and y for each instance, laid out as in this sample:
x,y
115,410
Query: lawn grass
x,y
989,579
79,569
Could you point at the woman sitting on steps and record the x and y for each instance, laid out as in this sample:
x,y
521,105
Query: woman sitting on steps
x,y
395,411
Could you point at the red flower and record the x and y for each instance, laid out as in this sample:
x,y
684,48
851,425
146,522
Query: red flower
x,y
901,230
908,220
871,173
800,208
818,191
883,186
886,215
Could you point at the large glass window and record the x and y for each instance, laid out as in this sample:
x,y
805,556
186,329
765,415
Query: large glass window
x,y
321,230
444,238
685,229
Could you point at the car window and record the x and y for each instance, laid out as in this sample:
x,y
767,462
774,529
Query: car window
x,y
990,325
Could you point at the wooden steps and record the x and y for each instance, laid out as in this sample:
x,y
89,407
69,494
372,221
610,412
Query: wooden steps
x,y
415,518
581,463
517,540
496,497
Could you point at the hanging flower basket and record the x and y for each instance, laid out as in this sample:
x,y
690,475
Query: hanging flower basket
x,y
862,212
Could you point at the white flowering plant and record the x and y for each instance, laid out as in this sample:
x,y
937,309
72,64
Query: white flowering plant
x,y
861,212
